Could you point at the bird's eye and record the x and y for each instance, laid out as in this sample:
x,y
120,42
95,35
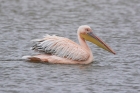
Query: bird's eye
x,y
86,29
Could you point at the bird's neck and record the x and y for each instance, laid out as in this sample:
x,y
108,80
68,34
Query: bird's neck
x,y
84,45
83,42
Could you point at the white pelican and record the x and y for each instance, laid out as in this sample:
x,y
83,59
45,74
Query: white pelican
x,y
56,49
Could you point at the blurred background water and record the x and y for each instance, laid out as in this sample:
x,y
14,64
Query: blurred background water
x,y
117,22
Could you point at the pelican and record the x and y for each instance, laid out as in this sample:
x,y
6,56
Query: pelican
x,y
55,49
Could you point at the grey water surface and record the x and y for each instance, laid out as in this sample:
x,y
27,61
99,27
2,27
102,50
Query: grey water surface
x,y
117,22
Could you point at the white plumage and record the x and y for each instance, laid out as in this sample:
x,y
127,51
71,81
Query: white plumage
x,y
61,47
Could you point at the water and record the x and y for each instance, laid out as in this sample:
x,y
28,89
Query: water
x,y
117,22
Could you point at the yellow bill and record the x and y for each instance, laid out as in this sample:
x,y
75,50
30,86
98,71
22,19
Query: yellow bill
x,y
96,40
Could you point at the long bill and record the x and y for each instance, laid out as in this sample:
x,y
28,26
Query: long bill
x,y
96,40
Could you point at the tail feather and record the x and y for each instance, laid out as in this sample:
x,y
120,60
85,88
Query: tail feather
x,y
31,58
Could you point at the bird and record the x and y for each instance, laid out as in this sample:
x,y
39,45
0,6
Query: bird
x,y
61,50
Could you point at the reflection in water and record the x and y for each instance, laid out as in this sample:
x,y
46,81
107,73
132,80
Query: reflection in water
x,y
115,21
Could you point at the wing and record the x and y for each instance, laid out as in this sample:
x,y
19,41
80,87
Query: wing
x,y
61,47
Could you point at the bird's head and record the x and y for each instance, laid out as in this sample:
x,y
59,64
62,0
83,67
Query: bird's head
x,y
86,33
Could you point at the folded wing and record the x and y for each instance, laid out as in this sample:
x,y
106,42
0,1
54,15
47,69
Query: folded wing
x,y
61,47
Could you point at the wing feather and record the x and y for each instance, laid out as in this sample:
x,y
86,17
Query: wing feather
x,y
61,47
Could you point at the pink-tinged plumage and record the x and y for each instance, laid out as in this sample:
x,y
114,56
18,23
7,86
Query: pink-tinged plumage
x,y
61,47
55,49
